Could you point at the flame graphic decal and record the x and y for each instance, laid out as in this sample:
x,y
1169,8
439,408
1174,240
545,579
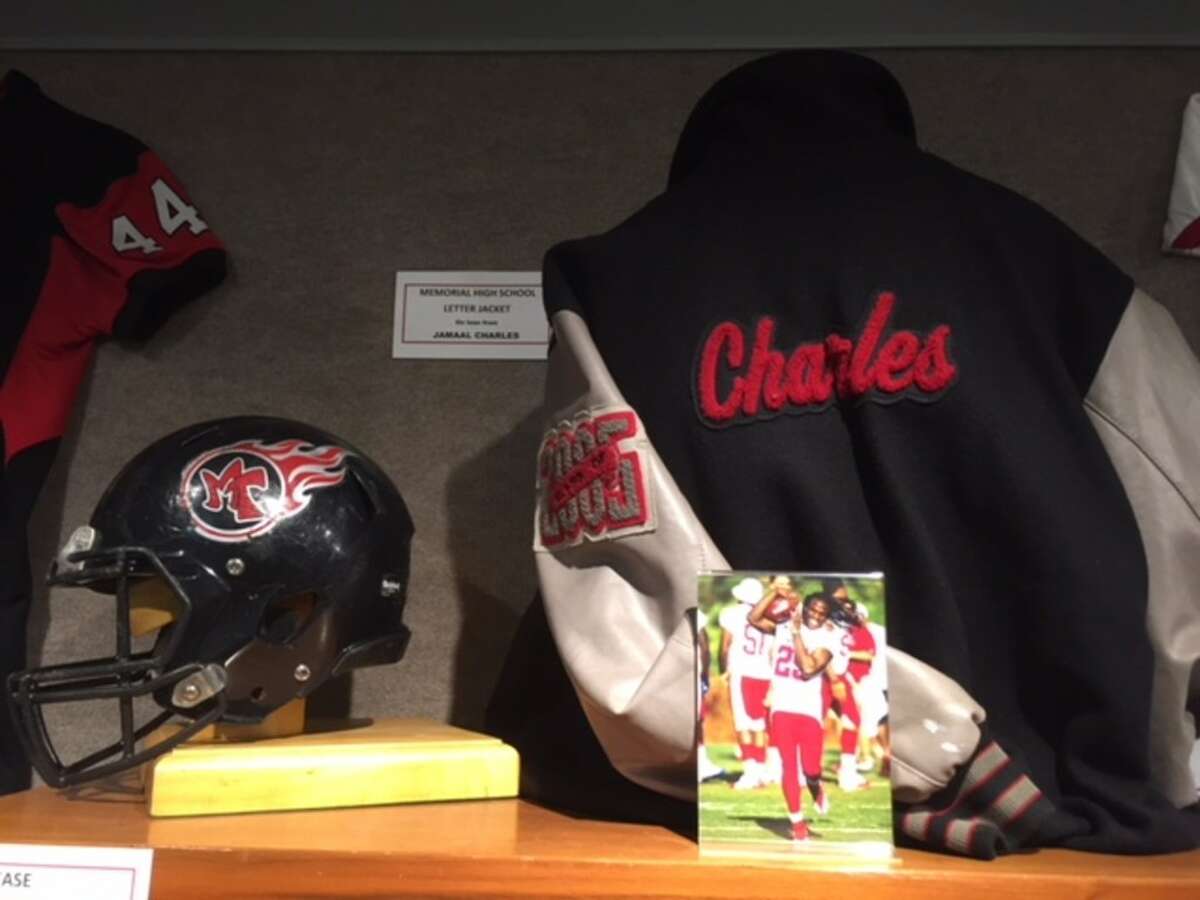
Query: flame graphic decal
x,y
304,469
243,490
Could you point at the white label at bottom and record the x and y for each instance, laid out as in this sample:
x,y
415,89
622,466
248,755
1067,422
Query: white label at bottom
x,y
43,872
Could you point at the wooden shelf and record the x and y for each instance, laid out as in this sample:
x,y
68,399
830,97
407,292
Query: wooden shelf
x,y
498,848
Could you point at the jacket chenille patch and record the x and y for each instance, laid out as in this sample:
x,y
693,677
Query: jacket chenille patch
x,y
732,386
592,480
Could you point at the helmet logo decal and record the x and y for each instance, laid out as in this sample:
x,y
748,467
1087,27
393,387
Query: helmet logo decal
x,y
243,490
232,488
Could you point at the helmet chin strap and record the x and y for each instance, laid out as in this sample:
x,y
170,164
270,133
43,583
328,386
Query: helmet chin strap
x,y
199,687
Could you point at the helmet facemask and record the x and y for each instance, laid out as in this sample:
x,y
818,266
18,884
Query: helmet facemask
x,y
152,609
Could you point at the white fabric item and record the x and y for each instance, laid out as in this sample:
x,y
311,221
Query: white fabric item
x,y
1181,233
1145,405
749,648
617,607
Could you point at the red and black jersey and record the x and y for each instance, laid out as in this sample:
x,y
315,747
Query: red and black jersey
x,y
100,239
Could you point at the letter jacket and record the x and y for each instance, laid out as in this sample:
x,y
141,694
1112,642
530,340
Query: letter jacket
x,y
824,349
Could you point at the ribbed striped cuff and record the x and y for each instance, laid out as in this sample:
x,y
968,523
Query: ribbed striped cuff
x,y
996,810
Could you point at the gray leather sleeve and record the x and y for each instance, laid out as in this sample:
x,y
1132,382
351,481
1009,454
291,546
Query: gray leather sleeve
x,y
617,604
1145,406
934,724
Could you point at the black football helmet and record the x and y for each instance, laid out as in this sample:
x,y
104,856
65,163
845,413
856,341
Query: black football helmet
x,y
252,559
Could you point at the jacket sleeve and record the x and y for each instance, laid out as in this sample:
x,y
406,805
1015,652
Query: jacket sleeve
x,y
1145,405
617,555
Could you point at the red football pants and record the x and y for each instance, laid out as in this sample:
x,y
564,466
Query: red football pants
x,y
800,739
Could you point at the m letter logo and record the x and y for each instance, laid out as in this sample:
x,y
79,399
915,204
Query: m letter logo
x,y
244,490
231,490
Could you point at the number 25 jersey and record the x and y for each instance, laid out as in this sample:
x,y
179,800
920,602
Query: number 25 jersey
x,y
791,690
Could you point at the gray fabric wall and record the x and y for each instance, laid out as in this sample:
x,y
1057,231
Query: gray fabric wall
x,y
326,173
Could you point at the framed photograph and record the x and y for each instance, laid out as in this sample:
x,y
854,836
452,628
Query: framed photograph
x,y
793,746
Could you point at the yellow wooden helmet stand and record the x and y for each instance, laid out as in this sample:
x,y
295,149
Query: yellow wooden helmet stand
x,y
280,765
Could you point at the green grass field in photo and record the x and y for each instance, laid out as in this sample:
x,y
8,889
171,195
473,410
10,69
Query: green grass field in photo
x,y
758,819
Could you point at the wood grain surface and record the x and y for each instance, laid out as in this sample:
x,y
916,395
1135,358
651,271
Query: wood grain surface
x,y
502,848
365,763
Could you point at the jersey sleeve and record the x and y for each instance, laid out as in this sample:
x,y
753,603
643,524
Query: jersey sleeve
x,y
863,640
618,573
144,248
833,640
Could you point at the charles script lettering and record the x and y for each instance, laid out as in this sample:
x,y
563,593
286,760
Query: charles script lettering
x,y
879,365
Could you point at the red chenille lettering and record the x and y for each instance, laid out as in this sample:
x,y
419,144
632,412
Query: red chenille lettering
x,y
811,374
727,333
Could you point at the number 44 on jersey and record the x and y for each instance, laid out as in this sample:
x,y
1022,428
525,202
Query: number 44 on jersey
x,y
173,213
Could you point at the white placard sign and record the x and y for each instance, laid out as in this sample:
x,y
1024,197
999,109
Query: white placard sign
x,y
469,315
44,872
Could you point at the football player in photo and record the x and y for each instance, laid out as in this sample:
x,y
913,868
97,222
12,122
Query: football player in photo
x,y
805,644
844,677
706,769
746,660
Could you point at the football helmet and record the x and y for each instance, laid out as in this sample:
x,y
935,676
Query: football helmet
x,y
748,591
250,560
